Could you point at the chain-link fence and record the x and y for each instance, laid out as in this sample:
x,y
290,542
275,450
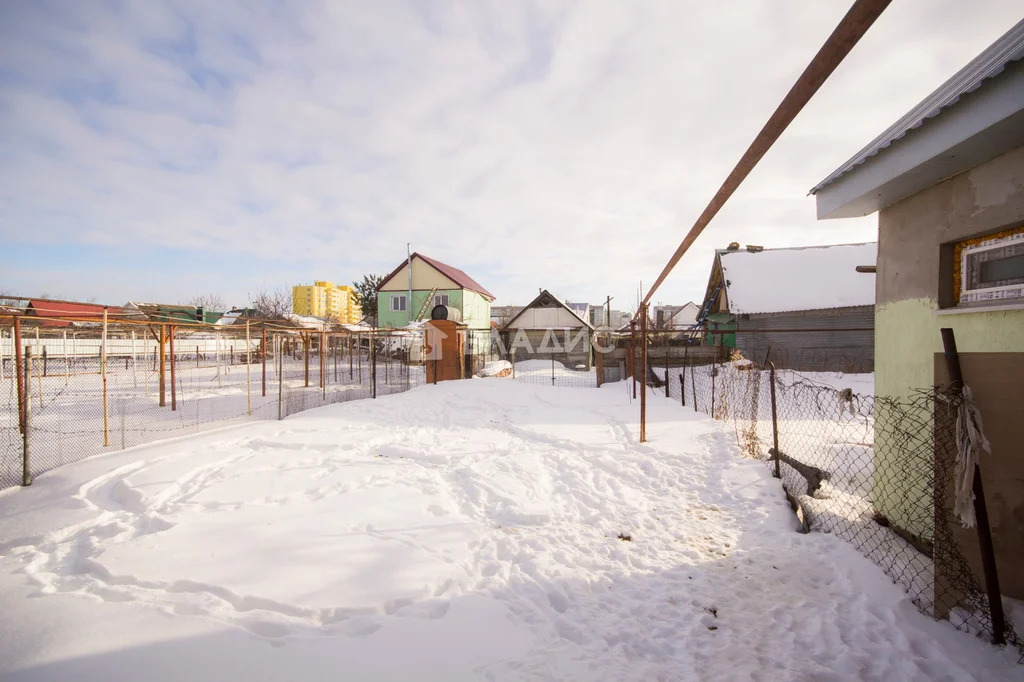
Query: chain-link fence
x,y
86,392
876,472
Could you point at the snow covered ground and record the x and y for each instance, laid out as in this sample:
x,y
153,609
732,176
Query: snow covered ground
x,y
482,529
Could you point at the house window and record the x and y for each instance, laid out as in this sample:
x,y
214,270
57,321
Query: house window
x,y
991,268
397,302
441,299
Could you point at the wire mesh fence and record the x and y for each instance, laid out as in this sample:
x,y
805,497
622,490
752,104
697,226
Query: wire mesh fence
x,y
876,472
86,392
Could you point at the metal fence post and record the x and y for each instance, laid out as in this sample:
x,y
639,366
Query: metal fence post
x,y
682,385
280,380
552,369
693,388
162,354
174,374
643,374
714,371
775,420
373,364
263,359
248,369
26,475
988,556
103,371
666,339
306,341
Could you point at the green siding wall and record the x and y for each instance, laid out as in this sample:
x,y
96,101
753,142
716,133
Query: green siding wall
x,y
475,309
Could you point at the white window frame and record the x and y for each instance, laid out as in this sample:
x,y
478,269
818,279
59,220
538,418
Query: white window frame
x,y
398,303
1012,292
441,299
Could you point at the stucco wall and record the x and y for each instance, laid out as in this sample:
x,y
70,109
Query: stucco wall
x,y
914,279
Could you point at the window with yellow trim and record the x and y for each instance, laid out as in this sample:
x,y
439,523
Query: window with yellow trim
x,y
990,269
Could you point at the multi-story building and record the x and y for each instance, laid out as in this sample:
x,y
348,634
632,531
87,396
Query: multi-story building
x,y
326,299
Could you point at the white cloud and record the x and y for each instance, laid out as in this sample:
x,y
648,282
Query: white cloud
x,y
558,145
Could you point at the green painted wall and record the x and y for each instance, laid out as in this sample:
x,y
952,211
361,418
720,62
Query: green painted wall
x,y
475,309
906,340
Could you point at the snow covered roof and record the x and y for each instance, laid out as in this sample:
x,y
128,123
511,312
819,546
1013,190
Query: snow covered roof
x,y
802,278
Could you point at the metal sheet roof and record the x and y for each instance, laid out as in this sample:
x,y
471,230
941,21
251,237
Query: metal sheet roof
x,y
988,64
452,273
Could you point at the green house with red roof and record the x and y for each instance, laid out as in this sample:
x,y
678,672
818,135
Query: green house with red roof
x,y
433,283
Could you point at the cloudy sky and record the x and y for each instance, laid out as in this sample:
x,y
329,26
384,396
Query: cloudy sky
x,y
154,150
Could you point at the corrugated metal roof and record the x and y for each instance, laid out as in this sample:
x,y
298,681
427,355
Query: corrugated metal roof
x,y
990,63
452,273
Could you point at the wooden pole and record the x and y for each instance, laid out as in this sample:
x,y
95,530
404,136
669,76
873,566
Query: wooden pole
x,y
135,377
19,370
280,380
103,372
248,369
174,379
163,360
26,425
39,377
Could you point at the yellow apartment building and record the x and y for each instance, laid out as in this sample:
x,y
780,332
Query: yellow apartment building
x,y
326,299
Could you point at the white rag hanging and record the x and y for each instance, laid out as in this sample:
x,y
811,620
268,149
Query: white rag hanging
x,y
970,438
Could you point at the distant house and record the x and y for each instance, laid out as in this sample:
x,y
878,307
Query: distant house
x,y
549,327
433,283
173,312
500,314
771,304
947,182
675,317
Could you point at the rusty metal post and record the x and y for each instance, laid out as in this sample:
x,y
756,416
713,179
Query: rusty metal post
x,y
775,421
263,359
988,555
163,360
19,370
643,374
44,361
103,372
26,426
350,375
174,376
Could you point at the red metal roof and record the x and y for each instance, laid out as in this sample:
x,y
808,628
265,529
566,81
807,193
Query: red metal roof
x,y
62,309
452,273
